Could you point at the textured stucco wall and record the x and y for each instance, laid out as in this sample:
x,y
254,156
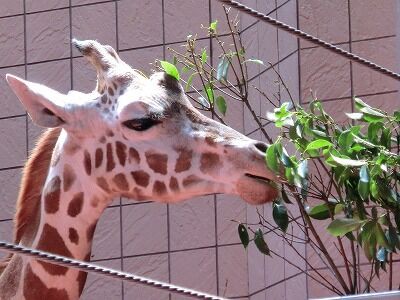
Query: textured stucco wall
x,y
194,243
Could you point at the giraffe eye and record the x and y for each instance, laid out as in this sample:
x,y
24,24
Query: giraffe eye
x,y
141,124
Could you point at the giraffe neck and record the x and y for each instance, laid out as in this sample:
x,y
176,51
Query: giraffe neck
x,y
65,222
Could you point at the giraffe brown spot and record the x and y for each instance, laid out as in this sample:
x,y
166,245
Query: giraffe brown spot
x,y
35,289
81,281
120,148
173,184
157,162
9,284
121,92
68,177
210,162
51,241
98,157
52,195
110,158
134,155
90,232
121,182
87,162
110,91
95,201
210,140
184,161
76,204
191,180
195,116
141,178
101,182
114,85
104,99
159,188
102,139
109,133
73,235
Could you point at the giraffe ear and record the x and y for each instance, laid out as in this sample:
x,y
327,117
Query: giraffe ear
x,y
45,106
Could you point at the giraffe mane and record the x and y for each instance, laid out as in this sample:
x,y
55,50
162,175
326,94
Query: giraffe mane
x,y
33,178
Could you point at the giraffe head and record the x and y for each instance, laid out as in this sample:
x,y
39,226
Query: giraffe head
x,y
141,138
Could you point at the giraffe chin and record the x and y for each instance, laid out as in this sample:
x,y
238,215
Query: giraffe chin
x,y
256,191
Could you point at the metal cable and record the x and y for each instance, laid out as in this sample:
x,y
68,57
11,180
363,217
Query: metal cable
x,y
107,272
305,36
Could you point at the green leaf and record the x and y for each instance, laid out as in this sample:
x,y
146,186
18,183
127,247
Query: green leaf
x,y
373,131
257,61
393,238
286,160
396,116
320,134
372,119
189,82
260,243
271,158
348,162
359,103
204,101
170,69
380,236
285,197
355,116
346,139
363,184
280,215
367,230
386,138
373,112
213,26
221,104
340,227
320,212
339,208
397,219
204,56
318,144
381,254
373,187
370,247
222,69
243,235
210,93
302,169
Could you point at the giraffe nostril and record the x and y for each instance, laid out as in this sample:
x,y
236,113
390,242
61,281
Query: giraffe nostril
x,y
261,146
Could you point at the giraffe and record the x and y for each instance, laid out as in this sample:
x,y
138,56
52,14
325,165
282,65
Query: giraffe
x,y
133,136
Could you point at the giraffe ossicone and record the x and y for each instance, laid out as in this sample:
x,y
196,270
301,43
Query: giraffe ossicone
x,y
133,136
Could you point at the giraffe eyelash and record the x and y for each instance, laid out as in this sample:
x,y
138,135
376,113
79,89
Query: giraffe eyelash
x,y
141,124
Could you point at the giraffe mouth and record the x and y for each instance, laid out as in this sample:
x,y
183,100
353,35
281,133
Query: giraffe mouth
x,y
256,189
260,178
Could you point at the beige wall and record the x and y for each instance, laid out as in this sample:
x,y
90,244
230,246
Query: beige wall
x,y
194,243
